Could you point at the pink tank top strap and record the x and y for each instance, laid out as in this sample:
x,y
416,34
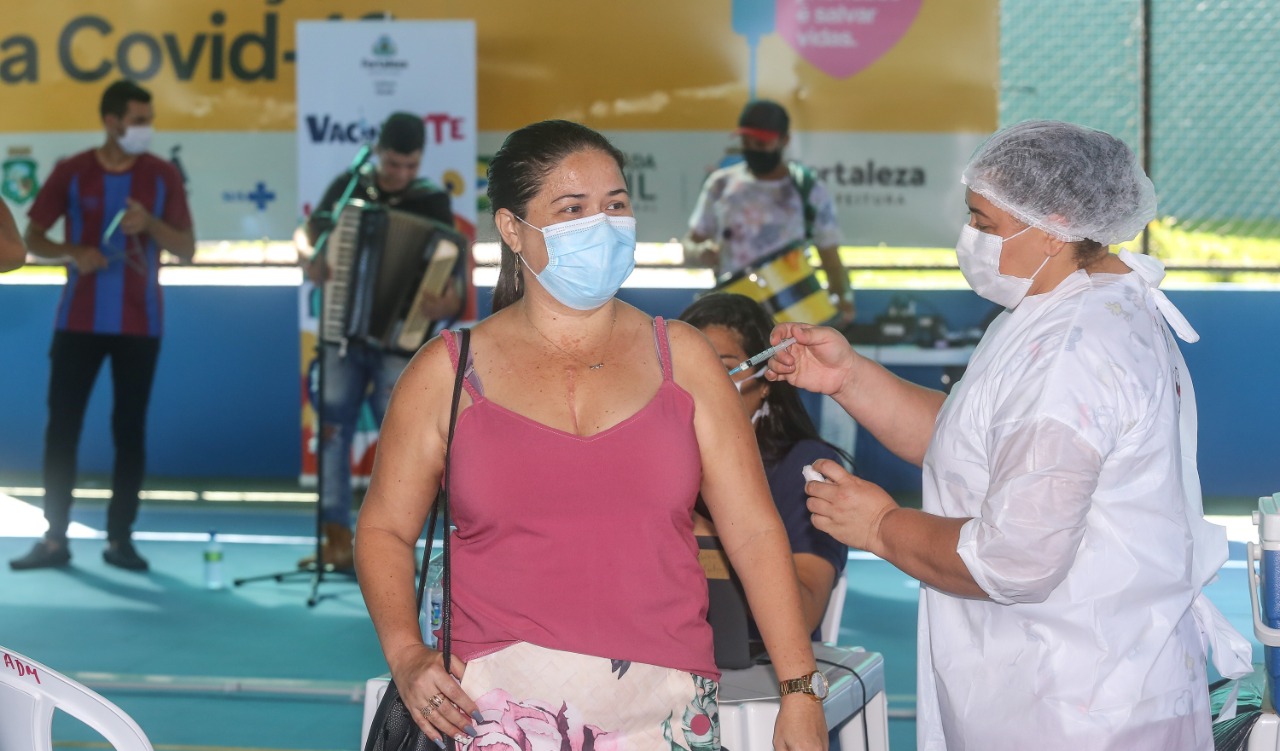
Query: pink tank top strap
x,y
663,344
472,383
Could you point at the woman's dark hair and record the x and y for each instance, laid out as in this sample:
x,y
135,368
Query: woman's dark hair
x,y
1085,252
516,174
787,422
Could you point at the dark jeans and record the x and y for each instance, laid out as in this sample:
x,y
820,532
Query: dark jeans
x,y
75,361
365,374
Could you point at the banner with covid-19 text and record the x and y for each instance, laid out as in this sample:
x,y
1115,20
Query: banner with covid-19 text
x,y
887,98
351,76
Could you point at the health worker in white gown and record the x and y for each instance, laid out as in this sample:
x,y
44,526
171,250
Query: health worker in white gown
x,y
1062,546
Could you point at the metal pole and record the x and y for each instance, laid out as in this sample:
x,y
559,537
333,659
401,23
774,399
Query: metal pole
x,y
1145,83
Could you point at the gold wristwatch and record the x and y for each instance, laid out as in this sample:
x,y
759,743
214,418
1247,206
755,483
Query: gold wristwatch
x,y
813,684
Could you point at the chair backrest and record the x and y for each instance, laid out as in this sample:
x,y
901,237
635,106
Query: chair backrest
x,y
30,692
829,629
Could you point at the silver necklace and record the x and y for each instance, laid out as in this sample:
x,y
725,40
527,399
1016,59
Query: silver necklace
x,y
569,354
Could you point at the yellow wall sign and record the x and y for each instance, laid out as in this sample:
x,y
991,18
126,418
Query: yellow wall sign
x,y
839,65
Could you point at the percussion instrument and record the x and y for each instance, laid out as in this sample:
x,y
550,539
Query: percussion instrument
x,y
382,263
786,285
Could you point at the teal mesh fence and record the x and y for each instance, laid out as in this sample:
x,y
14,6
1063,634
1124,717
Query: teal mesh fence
x,y
1214,104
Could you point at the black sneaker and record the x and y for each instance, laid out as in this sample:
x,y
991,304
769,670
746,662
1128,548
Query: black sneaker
x,y
43,555
122,554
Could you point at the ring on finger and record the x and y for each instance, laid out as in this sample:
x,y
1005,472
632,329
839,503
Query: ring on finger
x,y
436,701
426,711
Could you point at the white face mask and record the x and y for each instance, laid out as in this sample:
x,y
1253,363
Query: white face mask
x,y
739,385
764,406
760,413
978,254
136,139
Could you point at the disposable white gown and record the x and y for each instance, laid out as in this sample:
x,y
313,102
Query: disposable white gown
x,y
1070,442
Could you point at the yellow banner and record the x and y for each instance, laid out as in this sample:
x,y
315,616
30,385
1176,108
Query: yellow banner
x,y
216,65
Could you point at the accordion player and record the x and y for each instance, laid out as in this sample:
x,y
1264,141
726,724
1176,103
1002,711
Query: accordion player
x,y
382,262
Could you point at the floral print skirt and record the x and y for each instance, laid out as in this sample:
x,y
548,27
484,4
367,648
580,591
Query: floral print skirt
x,y
536,699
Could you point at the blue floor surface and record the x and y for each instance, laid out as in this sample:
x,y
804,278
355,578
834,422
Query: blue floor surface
x,y
91,618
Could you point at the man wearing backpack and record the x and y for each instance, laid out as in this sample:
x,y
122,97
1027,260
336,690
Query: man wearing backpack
x,y
750,211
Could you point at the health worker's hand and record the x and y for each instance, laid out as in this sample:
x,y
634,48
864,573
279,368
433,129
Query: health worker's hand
x,y
821,359
848,508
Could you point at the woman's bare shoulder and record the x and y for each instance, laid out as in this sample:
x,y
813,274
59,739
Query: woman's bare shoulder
x,y
689,343
430,369
694,362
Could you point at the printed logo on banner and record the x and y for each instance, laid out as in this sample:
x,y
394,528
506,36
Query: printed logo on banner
x,y
871,183
454,183
639,172
329,129
482,183
385,65
19,183
384,47
260,196
840,37
442,126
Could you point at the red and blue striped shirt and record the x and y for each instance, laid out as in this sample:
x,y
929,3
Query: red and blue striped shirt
x,y
124,297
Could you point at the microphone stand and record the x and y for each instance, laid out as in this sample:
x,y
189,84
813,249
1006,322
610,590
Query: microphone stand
x,y
317,569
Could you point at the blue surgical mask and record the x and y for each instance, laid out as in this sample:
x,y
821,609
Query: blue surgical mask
x,y
588,259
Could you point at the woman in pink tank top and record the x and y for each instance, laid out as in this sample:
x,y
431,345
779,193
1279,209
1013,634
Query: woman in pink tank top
x,y
585,434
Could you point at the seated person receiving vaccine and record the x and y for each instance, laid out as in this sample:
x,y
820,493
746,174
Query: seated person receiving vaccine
x,y
737,328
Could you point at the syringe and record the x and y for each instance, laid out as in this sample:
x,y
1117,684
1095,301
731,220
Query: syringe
x,y
754,360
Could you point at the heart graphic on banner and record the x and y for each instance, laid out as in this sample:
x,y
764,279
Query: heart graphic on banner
x,y
841,37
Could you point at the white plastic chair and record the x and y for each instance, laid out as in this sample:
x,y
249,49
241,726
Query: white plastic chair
x,y
829,629
30,692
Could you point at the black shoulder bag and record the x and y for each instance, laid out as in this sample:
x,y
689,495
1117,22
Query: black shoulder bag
x,y
393,727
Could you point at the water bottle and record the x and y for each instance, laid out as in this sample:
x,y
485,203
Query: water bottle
x,y
433,600
213,563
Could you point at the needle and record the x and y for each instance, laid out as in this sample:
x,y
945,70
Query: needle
x,y
754,360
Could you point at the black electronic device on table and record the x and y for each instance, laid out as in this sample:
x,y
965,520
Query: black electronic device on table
x,y
901,323
727,610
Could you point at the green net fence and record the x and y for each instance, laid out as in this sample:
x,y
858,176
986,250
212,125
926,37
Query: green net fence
x,y
1194,83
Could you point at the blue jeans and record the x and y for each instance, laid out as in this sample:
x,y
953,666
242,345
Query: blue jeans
x,y
365,372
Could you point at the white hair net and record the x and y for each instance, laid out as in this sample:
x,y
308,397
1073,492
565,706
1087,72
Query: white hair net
x,y
1073,182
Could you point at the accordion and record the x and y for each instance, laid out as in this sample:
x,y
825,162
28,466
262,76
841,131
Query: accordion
x,y
382,262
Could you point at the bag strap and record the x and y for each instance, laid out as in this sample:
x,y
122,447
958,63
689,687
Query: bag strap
x,y
804,178
442,498
446,606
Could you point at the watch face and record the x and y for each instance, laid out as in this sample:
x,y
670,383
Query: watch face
x,y
818,682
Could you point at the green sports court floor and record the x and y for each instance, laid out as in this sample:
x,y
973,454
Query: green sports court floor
x,y
253,667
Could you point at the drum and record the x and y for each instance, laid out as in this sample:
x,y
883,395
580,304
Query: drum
x,y
786,285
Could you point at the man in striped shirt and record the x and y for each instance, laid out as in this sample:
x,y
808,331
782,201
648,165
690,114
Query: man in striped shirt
x,y
120,206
